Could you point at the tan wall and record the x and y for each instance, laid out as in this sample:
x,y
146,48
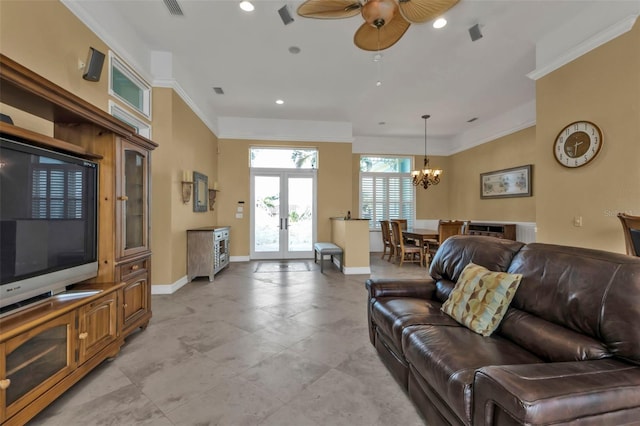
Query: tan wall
x,y
333,197
185,144
602,86
47,38
433,202
513,150
162,178
353,237
193,147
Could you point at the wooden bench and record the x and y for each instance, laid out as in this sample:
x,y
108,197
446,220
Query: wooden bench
x,y
323,249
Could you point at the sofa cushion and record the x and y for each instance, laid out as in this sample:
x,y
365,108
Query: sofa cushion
x,y
481,298
550,341
392,315
447,357
591,292
456,252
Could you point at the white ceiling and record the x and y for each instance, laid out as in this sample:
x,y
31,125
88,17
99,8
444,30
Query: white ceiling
x,y
429,71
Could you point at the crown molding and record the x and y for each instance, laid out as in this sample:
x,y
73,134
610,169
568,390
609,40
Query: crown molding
x,y
586,46
518,118
171,83
122,52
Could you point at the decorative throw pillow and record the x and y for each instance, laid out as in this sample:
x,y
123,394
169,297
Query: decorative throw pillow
x,y
481,297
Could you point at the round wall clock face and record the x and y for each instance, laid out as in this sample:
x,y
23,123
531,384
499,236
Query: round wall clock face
x,y
577,144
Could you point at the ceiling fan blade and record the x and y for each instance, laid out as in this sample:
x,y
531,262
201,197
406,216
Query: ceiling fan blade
x,y
366,38
329,9
417,11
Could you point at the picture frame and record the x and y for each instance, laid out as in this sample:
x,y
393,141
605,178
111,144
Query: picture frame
x,y
200,192
507,183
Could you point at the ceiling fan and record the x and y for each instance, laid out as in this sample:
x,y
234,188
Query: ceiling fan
x,y
386,21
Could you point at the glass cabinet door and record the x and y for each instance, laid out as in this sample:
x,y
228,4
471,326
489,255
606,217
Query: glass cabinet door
x,y
133,198
34,361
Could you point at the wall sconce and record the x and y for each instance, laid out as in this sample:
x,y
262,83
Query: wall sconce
x,y
187,186
213,191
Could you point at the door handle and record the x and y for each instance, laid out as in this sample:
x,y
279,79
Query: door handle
x,y
286,223
281,224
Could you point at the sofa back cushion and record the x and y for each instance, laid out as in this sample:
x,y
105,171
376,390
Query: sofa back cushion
x,y
458,251
550,342
591,292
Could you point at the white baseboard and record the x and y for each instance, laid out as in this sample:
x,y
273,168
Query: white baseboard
x,y
360,270
239,258
169,288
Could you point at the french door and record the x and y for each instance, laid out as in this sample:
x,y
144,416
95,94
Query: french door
x,y
283,214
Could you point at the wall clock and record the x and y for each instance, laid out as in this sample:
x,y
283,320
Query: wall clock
x,y
577,144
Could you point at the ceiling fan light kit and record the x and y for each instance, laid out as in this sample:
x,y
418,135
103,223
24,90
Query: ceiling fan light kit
x,y
378,12
386,21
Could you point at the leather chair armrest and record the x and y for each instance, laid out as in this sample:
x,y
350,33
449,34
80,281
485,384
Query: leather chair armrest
x,y
389,287
604,390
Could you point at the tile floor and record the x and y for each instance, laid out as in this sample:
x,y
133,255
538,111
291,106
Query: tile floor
x,y
252,348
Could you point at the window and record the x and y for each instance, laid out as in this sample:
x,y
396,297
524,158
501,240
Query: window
x,y
284,158
125,85
56,191
142,128
386,190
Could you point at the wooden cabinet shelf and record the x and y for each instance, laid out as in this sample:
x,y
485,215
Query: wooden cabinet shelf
x,y
33,354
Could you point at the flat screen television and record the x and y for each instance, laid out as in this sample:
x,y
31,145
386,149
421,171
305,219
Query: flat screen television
x,y
48,222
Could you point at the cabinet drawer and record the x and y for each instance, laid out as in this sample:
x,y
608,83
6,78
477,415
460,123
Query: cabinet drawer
x,y
129,269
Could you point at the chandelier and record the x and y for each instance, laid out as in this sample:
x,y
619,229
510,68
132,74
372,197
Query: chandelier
x,y
427,176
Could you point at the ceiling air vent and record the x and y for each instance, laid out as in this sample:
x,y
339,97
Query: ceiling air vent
x,y
218,90
174,7
472,120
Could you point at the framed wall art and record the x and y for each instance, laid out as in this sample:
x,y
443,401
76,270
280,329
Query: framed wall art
x,y
507,183
200,192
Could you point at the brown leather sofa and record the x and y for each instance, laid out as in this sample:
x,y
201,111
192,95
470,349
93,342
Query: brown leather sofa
x,y
567,351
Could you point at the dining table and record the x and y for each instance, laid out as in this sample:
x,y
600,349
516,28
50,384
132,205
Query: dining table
x,y
420,234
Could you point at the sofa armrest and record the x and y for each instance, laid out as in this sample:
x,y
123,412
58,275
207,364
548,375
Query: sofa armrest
x,y
600,391
388,287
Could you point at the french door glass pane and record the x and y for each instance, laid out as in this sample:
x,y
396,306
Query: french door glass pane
x,y
300,233
267,214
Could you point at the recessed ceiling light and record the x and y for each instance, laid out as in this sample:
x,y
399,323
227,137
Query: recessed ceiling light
x,y
279,101
439,23
247,6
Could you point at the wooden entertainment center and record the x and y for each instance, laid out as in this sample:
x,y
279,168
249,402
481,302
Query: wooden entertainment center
x,y
50,345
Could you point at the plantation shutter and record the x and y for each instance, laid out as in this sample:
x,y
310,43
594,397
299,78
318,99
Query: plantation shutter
x,y
56,193
385,196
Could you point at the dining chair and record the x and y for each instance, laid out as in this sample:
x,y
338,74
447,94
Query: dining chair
x,y
403,227
446,229
402,222
631,228
405,253
386,239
